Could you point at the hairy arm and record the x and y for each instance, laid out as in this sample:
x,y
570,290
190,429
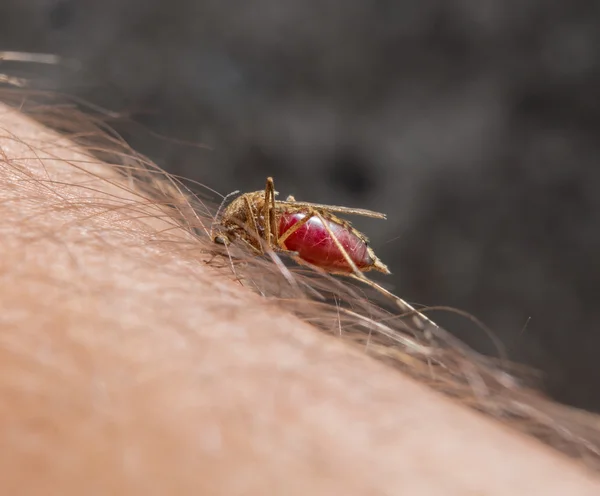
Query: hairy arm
x,y
127,367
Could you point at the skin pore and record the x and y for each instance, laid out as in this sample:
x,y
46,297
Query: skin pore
x,y
132,366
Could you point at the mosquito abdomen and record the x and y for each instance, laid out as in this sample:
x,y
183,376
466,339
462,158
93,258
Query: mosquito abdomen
x,y
315,245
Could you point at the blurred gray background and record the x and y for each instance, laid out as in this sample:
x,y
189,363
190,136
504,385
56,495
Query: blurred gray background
x,y
472,123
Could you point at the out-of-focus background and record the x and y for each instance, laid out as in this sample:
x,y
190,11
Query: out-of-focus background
x,y
472,123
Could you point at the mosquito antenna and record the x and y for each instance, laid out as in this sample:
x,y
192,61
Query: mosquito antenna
x,y
225,198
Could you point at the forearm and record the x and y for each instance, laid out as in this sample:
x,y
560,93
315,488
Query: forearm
x,y
131,368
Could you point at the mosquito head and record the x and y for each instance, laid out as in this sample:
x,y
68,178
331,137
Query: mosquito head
x,y
221,239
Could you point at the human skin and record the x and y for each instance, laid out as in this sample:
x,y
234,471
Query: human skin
x,y
129,366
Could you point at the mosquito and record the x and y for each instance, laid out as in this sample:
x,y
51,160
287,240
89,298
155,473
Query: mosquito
x,y
311,233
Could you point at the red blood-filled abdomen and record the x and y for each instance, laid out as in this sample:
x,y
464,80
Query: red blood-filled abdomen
x,y
314,244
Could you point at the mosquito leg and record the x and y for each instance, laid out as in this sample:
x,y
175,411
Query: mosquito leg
x,y
293,229
304,220
419,319
266,215
343,250
252,220
281,239
270,212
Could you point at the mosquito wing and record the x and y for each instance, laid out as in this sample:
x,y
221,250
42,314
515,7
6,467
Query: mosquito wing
x,y
334,208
